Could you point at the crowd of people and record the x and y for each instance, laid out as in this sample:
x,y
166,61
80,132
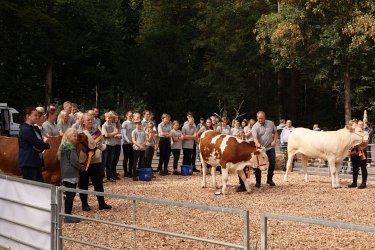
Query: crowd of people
x,y
139,137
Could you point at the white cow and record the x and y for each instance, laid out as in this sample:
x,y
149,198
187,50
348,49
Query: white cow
x,y
230,153
332,146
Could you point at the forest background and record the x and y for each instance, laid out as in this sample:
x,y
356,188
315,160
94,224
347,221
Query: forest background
x,y
309,61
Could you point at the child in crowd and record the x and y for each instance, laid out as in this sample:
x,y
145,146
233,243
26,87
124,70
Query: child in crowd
x,y
176,144
139,146
69,166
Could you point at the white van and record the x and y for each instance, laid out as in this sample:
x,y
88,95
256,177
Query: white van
x,y
9,120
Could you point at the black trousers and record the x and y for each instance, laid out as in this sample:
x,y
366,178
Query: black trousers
x,y
194,155
139,158
149,154
116,158
94,172
187,159
69,197
176,157
127,149
358,163
271,168
165,153
31,173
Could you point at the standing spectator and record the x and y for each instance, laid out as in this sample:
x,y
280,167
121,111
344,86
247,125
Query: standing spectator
x,y
265,134
208,126
358,159
150,144
139,145
280,126
164,132
69,167
285,135
97,122
176,145
146,118
74,109
67,107
189,132
194,152
201,123
127,148
249,139
117,152
78,118
248,131
49,126
109,132
237,129
41,119
316,127
30,147
224,128
63,122
94,171
371,139
244,123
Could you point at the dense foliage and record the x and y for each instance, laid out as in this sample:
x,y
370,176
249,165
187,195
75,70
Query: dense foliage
x,y
309,61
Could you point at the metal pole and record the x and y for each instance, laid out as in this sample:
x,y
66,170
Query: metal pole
x,y
246,234
134,224
59,242
54,218
263,232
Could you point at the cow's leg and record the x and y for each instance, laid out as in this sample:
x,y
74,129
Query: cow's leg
x,y
304,167
338,166
334,173
242,175
204,172
289,164
224,177
213,175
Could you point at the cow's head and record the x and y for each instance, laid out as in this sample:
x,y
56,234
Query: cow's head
x,y
82,143
357,135
259,159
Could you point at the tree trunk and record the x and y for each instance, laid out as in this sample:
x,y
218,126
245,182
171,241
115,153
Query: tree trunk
x,y
347,94
279,94
96,96
48,91
293,94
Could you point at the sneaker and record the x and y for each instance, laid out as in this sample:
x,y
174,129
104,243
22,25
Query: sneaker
x,y
161,173
196,170
135,178
166,172
70,219
175,172
111,180
86,207
257,184
241,189
104,206
271,183
117,178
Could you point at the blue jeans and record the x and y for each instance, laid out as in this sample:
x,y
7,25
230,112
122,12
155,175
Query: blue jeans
x,y
271,168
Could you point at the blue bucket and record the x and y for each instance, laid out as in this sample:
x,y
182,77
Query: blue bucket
x,y
186,170
145,174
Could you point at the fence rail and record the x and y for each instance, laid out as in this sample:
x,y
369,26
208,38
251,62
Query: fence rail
x,y
265,216
243,213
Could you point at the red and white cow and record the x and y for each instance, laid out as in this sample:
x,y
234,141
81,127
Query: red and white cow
x,y
332,146
230,153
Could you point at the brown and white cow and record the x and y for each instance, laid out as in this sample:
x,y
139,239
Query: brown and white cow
x,y
332,146
51,170
230,153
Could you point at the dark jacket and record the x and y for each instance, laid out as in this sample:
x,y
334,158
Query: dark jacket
x,y
69,163
30,147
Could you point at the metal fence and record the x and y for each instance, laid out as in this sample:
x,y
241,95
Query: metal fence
x,y
243,213
265,216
